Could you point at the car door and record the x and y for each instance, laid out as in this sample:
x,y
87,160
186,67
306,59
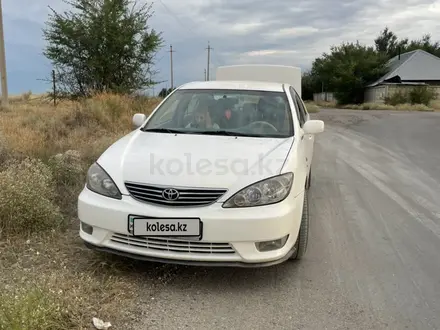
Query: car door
x,y
305,138
309,139
302,169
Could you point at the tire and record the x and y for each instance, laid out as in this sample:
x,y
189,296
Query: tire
x,y
303,236
309,179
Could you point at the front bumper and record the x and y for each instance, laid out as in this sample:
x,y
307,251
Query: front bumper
x,y
228,235
192,262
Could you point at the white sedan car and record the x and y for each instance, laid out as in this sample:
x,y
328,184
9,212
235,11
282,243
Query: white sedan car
x,y
217,175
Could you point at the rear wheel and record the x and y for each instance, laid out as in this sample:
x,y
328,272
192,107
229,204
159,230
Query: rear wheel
x,y
300,246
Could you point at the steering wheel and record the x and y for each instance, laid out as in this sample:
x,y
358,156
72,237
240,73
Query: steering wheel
x,y
262,123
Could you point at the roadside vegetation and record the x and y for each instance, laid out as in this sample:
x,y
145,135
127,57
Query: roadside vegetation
x,y
311,107
348,68
433,106
49,280
102,53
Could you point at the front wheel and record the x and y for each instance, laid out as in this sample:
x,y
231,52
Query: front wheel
x,y
309,179
303,236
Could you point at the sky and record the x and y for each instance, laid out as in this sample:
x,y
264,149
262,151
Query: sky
x,y
239,31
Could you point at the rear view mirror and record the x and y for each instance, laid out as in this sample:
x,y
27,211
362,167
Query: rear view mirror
x,y
139,119
313,127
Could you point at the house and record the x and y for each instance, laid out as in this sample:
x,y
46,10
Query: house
x,y
406,71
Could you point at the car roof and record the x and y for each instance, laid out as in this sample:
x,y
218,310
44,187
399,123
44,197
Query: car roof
x,y
237,85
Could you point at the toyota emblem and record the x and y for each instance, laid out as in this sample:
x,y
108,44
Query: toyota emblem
x,y
170,194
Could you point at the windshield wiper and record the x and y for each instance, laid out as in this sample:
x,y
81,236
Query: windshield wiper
x,y
230,133
163,130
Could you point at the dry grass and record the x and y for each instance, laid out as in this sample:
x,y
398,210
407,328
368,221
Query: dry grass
x,y
434,106
379,106
324,104
54,282
48,279
29,97
40,130
311,107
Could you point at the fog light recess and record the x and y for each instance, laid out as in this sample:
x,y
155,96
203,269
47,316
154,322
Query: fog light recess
x,y
86,228
271,245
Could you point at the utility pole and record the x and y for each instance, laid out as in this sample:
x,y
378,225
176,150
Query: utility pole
x,y
54,88
171,51
3,61
205,74
209,58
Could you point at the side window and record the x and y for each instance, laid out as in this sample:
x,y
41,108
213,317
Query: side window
x,y
302,110
297,106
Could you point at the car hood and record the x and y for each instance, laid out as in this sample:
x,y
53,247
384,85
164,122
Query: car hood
x,y
192,160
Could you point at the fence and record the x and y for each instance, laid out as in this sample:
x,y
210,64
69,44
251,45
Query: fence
x,y
326,97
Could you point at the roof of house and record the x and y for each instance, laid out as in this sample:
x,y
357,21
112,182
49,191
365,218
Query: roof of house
x,y
417,65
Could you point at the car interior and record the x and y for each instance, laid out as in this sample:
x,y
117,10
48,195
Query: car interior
x,y
264,114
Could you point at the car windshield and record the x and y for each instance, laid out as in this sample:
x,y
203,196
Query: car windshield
x,y
224,112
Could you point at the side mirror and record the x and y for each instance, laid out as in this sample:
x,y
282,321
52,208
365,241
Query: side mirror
x,y
313,127
139,119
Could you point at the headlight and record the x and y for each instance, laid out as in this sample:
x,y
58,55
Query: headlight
x,y
101,183
268,191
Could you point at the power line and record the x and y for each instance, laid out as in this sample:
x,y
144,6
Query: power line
x,y
175,17
186,26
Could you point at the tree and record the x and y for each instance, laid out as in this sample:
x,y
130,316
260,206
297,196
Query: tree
x,y
102,46
309,85
425,43
388,43
347,69
165,92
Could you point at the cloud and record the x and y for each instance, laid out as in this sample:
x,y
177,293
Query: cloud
x,y
292,32
246,31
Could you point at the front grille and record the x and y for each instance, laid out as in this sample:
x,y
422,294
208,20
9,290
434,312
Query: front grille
x,y
174,245
186,197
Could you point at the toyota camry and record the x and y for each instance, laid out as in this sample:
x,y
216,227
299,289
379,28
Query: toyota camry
x,y
217,174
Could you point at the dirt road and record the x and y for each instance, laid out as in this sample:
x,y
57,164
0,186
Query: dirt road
x,y
374,253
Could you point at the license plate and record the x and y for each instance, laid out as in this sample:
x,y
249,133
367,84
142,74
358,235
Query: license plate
x,y
141,226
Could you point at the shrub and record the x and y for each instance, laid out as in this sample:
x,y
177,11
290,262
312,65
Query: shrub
x,y
413,107
4,151
399,97
368,106
377,106
26,96
27,198
67,168
435,104
68,171
422,95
